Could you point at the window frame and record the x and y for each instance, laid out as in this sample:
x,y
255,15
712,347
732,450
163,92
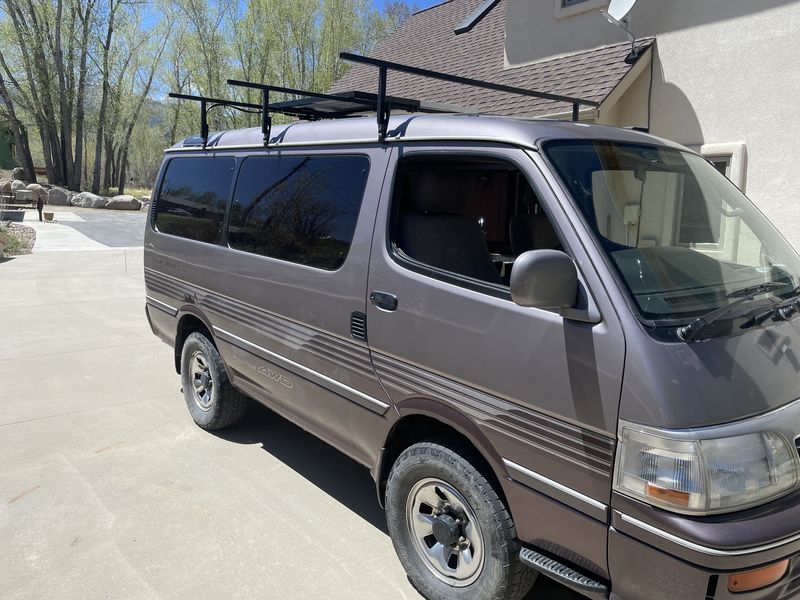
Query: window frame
x,y
240,160
502,292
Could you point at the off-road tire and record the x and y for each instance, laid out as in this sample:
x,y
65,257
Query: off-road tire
x,y
503,576
227,405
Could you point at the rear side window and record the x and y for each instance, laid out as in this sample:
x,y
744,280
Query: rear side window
x,y
193,197
301,209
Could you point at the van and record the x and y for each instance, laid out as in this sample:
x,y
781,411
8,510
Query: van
x,y
561,349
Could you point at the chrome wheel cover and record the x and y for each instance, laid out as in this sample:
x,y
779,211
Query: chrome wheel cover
x,y
202,383
458,563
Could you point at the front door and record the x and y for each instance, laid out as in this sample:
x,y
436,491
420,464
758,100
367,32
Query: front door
x,y
442,326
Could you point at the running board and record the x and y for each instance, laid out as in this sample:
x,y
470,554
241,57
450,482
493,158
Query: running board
x,y
564,574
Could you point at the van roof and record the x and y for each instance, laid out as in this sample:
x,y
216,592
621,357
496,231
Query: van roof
x,y
409,127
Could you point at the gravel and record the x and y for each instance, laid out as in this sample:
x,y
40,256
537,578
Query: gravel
x,y
25,236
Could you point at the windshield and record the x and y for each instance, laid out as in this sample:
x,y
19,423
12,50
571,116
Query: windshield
x,y
681,235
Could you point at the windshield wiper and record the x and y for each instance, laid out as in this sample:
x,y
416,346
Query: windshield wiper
x,y
689,333
781,311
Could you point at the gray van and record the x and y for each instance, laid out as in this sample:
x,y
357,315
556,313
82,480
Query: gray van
x,y
560,348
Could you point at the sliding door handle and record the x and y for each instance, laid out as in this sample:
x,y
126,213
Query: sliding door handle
x,y
384,300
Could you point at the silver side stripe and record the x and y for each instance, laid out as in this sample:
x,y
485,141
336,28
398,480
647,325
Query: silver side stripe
x,y
311,374
598,509
699,548
162,305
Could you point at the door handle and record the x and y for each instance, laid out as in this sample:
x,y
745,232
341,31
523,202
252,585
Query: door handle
x,y
384,300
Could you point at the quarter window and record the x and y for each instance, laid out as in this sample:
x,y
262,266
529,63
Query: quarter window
x,y
298,208
193,197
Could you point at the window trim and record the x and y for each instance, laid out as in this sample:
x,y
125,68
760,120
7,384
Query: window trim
x,y
735,152
577,7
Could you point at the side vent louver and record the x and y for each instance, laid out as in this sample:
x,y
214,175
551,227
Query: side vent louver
x,y
358,326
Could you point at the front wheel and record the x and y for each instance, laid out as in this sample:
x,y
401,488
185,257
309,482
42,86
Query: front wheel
x,y
451,530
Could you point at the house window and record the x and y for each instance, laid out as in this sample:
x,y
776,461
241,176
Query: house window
x,y
568,8
729,159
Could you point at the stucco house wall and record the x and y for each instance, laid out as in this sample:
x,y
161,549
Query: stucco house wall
x,y
725,79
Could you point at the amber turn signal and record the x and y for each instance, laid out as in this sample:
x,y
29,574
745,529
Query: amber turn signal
x,y
676,497
757,578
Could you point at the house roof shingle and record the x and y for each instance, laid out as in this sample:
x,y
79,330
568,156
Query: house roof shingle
x,y
427,40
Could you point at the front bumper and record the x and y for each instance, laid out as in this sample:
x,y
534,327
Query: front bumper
x,y
656,555
642,572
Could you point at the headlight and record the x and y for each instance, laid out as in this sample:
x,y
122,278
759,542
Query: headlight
x,y
689,472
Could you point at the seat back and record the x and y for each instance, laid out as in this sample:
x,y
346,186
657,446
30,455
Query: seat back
x,y
531,232
435,231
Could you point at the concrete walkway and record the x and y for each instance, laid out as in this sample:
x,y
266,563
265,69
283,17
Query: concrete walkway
x,y
108,490
82,230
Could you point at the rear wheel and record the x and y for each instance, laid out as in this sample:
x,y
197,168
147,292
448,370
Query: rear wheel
x,y
211,399
451,530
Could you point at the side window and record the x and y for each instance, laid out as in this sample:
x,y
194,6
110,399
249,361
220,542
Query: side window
x,y
193,197
467,219
298,208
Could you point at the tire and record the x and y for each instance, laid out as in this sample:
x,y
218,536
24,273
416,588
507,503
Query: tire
x,y
484,563
211,399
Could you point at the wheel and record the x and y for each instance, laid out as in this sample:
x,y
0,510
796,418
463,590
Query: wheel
x,y
210,397
451,530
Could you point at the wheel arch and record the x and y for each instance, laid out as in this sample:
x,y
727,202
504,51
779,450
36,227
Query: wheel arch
x,y
421,419
190,321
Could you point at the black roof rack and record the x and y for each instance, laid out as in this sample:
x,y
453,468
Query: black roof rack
x,y
316,105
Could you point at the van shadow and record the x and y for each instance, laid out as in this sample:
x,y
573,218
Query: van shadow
x,y
331,471
334,473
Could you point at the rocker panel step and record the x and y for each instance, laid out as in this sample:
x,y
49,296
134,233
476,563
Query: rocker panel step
x,y
564,574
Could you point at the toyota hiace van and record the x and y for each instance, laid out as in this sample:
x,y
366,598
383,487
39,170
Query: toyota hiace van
x,y
561,349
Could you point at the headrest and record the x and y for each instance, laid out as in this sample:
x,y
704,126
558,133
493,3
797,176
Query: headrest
x,y
445,191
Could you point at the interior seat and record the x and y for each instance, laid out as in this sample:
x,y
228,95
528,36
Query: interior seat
x,y
433,229
532,232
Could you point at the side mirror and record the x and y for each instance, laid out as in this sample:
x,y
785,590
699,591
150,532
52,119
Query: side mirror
x,y
544,279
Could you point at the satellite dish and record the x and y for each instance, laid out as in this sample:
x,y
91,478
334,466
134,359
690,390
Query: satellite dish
x,y
619,9
618,15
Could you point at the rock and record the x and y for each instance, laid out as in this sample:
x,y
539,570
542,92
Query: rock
x,y
18,173
59,196
38,191
5,187
24,195
88,200
124,202
17,185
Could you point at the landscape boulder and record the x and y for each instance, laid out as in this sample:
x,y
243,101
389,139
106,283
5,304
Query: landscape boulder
x,y
17,185
59,196
124,202
38,191
5,187
18,173
88,200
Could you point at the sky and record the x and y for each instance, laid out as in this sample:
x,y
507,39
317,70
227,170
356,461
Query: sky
x,y
420,3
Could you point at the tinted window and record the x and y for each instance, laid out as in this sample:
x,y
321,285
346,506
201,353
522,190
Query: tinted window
x,y
193,197
298,208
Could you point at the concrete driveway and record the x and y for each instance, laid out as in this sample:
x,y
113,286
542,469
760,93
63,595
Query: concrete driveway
x,y
108,490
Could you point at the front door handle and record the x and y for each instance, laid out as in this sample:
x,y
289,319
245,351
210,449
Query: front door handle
x,y
384,300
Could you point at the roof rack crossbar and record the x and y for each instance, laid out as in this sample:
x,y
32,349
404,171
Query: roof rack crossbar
x,y
207,104
385,65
